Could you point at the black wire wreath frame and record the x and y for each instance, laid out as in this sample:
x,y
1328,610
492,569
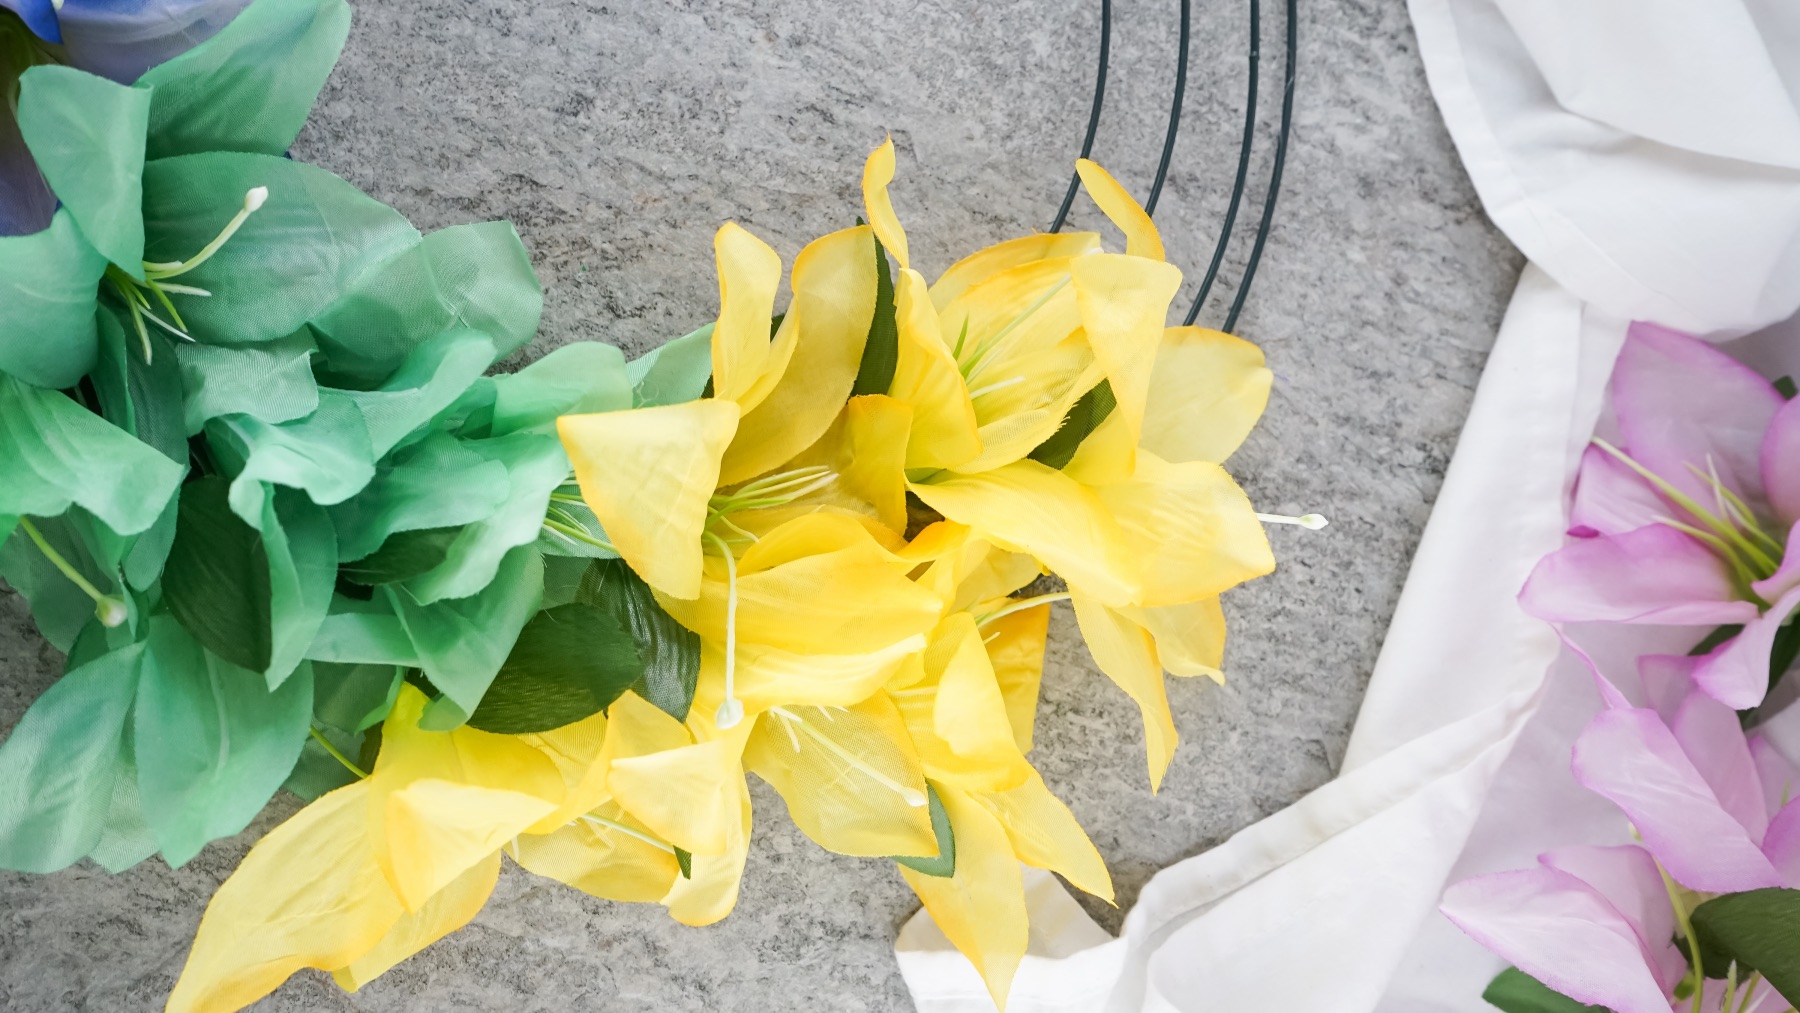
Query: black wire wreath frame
x,y
1168,151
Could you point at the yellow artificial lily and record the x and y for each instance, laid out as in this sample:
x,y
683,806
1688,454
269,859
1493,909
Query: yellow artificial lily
x,y
649,474
1141,520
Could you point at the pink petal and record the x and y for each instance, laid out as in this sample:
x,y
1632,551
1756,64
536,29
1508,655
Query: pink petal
x,y
1779,778
1713,739
1787,576
1626,876
1779,461
1654,574
1610,498
1782,843
1560,931
1610,694
1631,758
1681,401
1667,679
1736,673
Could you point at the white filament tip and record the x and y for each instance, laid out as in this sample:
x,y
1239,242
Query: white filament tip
x,y
255,198
110,611
729,713
1311,522
914,797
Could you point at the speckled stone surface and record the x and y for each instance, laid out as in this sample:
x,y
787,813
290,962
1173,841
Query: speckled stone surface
x,y
618,136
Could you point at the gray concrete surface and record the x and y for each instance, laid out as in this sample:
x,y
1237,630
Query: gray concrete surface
x,y
619,135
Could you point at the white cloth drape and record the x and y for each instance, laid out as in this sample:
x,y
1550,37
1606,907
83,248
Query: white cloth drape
x,y
1645,155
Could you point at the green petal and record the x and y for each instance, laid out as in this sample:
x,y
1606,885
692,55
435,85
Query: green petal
x,y
47,286
475,276
212,742
431,377
251,86
673,372
437,482
327,454
572,380
272,382
59,766
54,453
312,241
87,135
535,466
142,398
463,642
302,569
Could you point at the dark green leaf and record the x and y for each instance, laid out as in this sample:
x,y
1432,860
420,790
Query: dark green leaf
x,y
1083,418
1517,992
462,642
570,663
685,860
317,771
881,352
1713,960
944,862
1783,652
403,556
251,86
670,652
1714,639
1759,929
1785,387
216,580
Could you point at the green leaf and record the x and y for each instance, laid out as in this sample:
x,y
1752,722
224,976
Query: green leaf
x,y
1517,992
462,642
353,698
402,557
670,652
1715,638
1785,387
1783,652
54,453
1760,929
327,454
431,377
575,379
684,860
562,579
317,771
881,352
570,662
251,86
474,276
437,482
313,240
47,335
272,382
1084,417
944,862
216,580
87,136
535,466
674,372
213,742
59,766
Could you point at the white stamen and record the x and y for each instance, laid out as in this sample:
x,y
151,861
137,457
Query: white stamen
x,y
1311,522
732,710
912,796
187,290
992,387
255,197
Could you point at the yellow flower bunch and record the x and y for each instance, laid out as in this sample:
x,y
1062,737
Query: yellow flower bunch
x,y
851,566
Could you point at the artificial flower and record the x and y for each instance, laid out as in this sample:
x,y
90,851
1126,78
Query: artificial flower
x,y
1139,519
1688,520
119,40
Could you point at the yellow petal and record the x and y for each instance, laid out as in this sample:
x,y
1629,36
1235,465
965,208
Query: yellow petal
x,y
686,796
637,727
926,377
983,264
1141,237
1190,637
834,301
981,908
866,449
309,894
1125,652
749,274
448,910
970,713
647,475
1191,529
601,860
878,172
577,752
1015,646
850,776
435,831
712,891
1033,508
1124,301
1044,834
1206,393
769,677
1106,455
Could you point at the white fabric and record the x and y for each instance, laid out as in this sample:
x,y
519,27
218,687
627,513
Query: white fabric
x,y
1645,154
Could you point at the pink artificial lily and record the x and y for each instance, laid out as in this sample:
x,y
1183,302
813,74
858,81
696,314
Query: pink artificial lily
x,y
1712,808
1689,521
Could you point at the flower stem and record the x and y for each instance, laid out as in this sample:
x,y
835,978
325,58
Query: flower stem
x,y
326,745
580,536
1687,930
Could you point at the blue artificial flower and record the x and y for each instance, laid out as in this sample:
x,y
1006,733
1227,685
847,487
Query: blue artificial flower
x,y
38,15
